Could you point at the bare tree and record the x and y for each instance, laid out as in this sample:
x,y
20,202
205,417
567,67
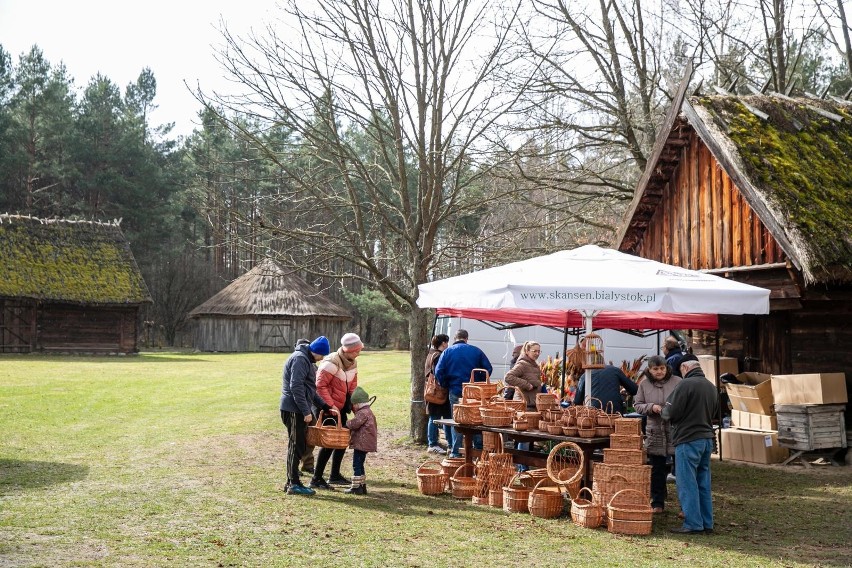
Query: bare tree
x,y
391,106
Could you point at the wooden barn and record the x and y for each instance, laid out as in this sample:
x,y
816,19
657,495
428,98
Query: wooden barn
x,y
758,189
266,309
67,286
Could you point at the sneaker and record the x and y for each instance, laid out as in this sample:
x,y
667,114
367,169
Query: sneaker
x,y
671,478
339,480
321,484
455,456
435,450
300,490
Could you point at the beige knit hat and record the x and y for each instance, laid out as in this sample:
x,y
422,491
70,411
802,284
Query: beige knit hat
x,y
351,341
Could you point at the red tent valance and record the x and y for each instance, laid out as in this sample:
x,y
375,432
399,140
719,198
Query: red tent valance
x,y
572,318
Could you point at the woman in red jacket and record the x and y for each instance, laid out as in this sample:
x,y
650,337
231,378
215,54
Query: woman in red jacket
x,y
337,378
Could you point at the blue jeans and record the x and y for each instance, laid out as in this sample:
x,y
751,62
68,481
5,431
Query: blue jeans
x,y
457,437
432,433
358,459
693,483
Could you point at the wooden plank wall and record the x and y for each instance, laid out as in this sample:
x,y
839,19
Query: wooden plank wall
x,y
17,326
96,329
240,335
703,221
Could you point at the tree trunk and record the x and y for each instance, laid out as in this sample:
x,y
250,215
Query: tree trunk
x,y
418,332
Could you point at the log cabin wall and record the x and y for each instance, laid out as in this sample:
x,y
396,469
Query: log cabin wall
x,y
86,329
703,221
252,334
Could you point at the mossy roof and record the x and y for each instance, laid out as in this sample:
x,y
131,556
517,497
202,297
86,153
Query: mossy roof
x,y
269,290
799,162
78,262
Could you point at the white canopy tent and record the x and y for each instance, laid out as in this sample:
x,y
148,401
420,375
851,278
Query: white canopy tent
x,y
592,280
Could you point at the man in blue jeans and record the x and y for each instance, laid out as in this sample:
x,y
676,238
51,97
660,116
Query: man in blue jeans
x,y
454,368
690,408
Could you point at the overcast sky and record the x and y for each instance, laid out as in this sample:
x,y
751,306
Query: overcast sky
x,y
119,38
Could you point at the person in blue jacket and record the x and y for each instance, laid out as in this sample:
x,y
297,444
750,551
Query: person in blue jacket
x,y
454,368
606,387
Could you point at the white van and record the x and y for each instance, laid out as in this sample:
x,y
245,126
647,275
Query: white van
x,y
498,344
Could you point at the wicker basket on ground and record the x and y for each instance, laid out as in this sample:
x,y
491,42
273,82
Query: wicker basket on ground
x,y
481,475
545,500
517,492
565,467
635,475
450,465
604,489
462,482
628,426
328,433
430,478
586,512
537,474
628,512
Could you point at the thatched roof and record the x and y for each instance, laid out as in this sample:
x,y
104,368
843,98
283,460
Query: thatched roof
x,y
269,290
791,161
82,262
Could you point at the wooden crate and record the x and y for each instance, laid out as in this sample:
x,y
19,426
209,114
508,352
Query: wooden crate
x,y
811,426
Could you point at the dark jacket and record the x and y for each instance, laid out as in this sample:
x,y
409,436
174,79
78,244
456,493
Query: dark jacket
x,y
606,387
673,360
691,407
456,363
298,388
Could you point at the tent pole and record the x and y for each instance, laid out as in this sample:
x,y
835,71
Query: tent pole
x,y
564,362
718,394
588,396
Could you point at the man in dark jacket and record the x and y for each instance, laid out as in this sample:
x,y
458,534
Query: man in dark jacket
x,y
606,387
690,409
455,366
298,395
674,354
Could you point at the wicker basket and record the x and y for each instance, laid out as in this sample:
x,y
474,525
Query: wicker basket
x,y
495,416
554,428
430,478
462,482
331,435
467,414
628,426
565,467
545,500
492,442
608,417
546,401
532,417
486,389
569,431
495,498
636,476
602,431
628,512
586,513
625,442
586,426
604,489
518,405
517,492
521,425
537,474
624,457
450,465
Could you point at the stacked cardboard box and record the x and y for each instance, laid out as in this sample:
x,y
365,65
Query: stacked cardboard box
x,y
810,410
753,436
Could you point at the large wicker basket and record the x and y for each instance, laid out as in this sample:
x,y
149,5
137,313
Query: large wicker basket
x,y
328,433
430,478
624,457
496,416
628,426
628,512
546,401
586,512
625,442
545,500
462,482
492,442
517,492
565,467
467,414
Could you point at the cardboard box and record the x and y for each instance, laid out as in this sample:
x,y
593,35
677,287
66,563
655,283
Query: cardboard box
x,y
754,395
752,421
814,388
726,365
754,447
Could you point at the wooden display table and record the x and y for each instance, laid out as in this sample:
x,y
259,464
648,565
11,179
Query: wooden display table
x,y
534,459
810,428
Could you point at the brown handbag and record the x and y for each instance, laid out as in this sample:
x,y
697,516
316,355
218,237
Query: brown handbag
x,y
434,393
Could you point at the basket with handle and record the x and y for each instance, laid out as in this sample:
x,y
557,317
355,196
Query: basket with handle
x,y
328,433
492,442
516,493
586,512
546,401
487,389
521,425
554,428
628,512
586,427
604,489
565,467
467,414
569,431
430,478
588,409
602,431
518,405
608,416
545,500
462,482
481,477
496,416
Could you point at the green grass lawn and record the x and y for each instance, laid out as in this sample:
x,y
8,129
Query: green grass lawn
x,y
177,459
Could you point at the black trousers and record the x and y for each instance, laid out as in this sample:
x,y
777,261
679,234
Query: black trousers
x,y
659,492
326,453
297,434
